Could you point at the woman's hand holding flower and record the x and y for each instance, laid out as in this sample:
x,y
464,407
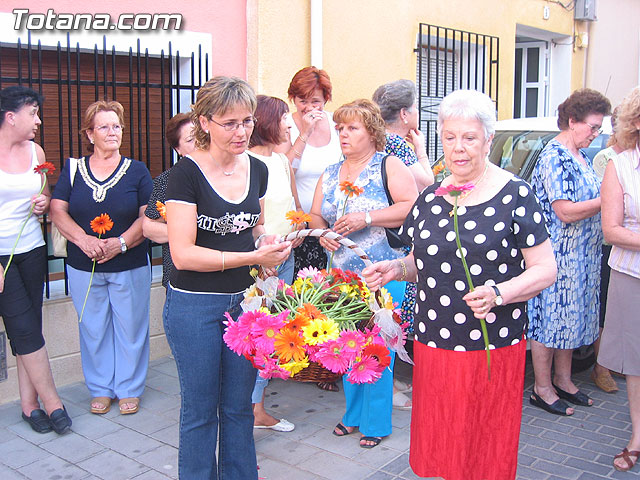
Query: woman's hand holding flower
x,y
349,223
40,204
111,248
480,301
92,247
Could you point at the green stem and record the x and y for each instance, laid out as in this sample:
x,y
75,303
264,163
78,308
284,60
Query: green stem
x,y
93,269
24,223
344,209
483,323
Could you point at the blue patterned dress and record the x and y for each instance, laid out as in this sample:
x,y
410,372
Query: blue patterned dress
x,y
372,240
565,315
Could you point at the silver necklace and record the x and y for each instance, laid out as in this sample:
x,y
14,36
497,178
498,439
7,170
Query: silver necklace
x,y
228,174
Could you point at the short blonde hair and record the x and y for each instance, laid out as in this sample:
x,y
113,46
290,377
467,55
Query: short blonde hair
x,y
367,112
216,97
97,107
627,133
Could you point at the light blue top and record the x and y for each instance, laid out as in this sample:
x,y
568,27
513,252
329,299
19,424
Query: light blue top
x,y
373,240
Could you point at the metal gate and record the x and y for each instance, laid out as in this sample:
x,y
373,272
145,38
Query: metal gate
x,y
151,88
449,60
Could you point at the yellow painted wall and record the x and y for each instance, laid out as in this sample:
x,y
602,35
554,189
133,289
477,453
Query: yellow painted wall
x,y
370,42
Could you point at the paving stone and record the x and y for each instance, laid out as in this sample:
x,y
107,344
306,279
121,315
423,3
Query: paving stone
x,y
397,465
575,451
163,459
128,442
112,465
556,469
524,459
527,473
615,432
541,453
19,452
72,447
562,438
23,430
614,407
334,466
6,435
151,475
273,470
552,425
587,466
53,468
7,473
167,368
94,426
284,449
537,441
169,435
594,436
589,476
381,476
145,421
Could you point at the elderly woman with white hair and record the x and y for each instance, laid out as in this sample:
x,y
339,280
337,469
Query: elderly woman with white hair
x,y
466,417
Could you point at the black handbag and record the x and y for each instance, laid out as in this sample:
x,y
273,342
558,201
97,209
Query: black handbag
x,y
393,237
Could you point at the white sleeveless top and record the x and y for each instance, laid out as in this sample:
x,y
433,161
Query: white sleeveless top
x,y
627,166
278,199
16,190
313,162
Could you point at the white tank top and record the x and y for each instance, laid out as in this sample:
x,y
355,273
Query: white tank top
x,y
16,190
313,162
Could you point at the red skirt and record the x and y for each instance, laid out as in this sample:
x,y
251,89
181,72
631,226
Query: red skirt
x,y
463,425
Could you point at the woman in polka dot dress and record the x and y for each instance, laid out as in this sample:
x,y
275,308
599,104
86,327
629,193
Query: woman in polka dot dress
x,y
465,424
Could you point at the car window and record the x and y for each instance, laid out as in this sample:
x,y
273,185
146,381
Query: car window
x,y
517,151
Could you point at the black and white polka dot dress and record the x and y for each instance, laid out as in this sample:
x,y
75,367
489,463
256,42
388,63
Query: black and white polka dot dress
x,y
492,235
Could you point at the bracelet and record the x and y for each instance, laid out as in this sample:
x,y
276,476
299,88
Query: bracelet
x,y
303,138
297,153
259,238
404,270
222,270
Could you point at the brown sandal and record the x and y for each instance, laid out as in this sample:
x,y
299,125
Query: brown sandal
x,y
105,405
626,456
128,411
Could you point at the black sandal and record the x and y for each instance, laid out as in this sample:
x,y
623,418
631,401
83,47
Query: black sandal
x,y
38,420
577,398
343,430
559,407
376,441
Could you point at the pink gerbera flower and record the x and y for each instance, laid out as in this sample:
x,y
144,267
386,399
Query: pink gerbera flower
x,y
332,357
273,370
237,336
364,371
352,340
265,328
454,190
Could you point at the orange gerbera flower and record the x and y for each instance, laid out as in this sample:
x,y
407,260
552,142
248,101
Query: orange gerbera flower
x,y
288,344
102,224
437,168
310,312
379,352
298,218
350,189
297,323
162,210
46,167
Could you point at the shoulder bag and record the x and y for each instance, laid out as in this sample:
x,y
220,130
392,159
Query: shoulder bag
x,y
58,241
394,239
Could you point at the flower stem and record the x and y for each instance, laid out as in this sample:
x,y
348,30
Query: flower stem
x,y
344,209
483,323
24,223
93,269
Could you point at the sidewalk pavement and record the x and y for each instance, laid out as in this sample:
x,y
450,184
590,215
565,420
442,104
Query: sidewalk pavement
x,y
144,446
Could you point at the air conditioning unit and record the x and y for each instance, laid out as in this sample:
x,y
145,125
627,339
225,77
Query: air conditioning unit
x,y
585,10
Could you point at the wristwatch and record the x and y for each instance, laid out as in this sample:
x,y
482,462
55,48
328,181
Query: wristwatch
x,y
367,219
499,300
123,245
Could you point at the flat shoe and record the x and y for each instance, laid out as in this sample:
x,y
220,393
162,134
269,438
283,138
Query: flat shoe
x,y
343,430
604,382
282,426
559,407
104,401
400,401
625,455
376,441
577,398
60,420
38,421
129,411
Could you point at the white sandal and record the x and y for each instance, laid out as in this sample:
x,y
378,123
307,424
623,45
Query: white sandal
x,y
400,401
402,387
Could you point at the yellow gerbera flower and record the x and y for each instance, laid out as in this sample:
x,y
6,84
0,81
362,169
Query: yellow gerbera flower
x,y
294,367
329,330
312,332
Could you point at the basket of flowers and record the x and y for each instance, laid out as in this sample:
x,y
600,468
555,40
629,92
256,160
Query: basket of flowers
x,y
327,323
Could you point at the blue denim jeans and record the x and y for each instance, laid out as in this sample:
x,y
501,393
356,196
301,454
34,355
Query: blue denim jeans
x,y
215,385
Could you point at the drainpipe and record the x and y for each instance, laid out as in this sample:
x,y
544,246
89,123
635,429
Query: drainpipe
x,y
316,33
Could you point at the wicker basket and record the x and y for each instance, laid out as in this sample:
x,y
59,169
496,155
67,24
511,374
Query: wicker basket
x,y
315,372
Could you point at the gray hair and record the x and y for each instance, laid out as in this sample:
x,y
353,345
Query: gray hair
x,y
470,105
393,97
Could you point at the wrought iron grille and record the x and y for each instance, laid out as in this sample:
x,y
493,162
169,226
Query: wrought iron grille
x,y
449,60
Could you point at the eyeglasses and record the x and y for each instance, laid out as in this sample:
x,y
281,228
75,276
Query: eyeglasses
x,y
233,126
104,129
594,128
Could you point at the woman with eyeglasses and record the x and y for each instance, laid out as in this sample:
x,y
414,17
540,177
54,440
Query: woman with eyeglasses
x,y
215,204
114,328
565,315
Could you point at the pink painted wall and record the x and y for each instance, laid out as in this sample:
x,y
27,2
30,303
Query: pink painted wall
x,y
225,20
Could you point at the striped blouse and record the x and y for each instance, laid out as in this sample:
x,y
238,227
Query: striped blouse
x,y
628,170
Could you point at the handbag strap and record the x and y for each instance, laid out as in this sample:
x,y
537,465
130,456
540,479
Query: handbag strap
x,y
383,172
73,167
